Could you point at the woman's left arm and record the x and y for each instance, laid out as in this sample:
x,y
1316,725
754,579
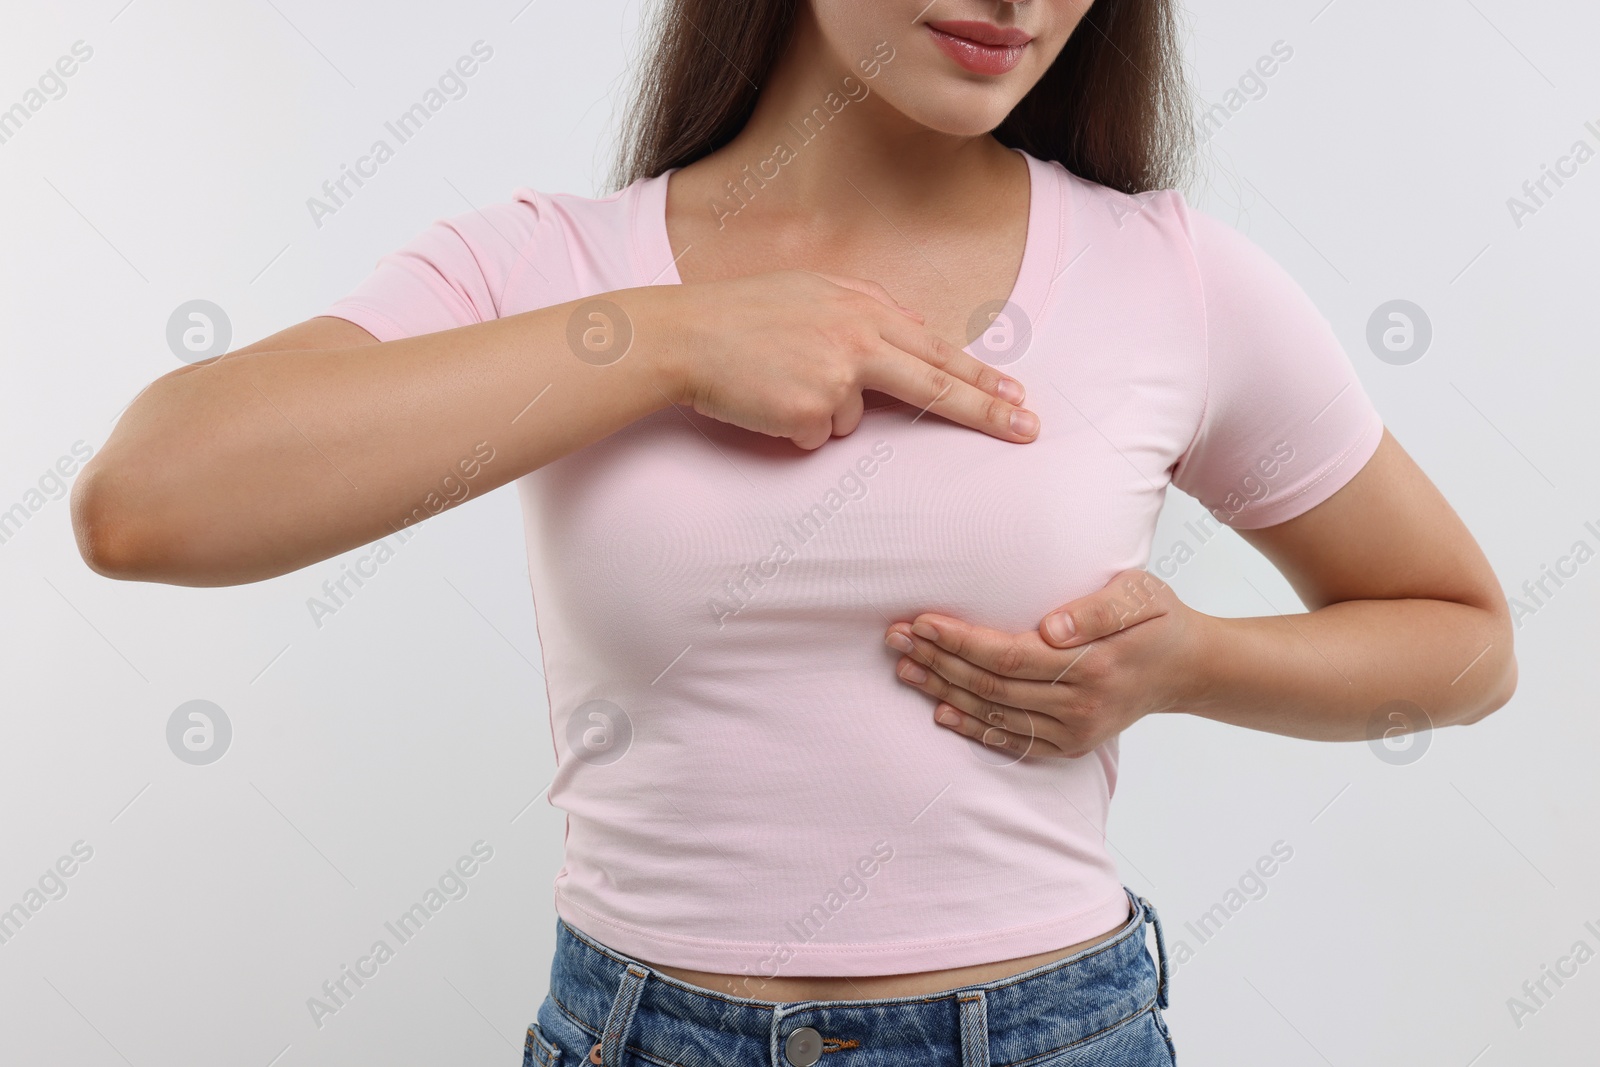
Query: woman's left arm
x,y
1407,629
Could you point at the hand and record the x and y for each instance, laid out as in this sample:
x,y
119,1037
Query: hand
x,y
788,353
1132,649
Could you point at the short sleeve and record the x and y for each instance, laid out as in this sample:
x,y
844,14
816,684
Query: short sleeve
x,y
1285,422
453,273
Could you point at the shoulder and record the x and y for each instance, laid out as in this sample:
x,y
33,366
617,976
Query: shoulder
x,y
1229,268
535,217
539,246
1101,209
1149,235
1132,251
1161,219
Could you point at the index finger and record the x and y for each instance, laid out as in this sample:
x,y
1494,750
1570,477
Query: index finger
x,y
923,368
870,288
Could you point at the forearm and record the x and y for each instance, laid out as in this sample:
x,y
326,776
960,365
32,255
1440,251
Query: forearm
x,y
1321,675
263,462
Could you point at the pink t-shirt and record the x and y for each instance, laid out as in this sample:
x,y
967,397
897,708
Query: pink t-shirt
x,y
749,788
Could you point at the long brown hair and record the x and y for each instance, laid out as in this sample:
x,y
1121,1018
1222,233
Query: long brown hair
x,y
1113,108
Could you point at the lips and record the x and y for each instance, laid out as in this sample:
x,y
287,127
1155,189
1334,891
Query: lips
x,y
980,47
983,32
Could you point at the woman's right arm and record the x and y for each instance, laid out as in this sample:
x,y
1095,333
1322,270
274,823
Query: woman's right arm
x,y
319,439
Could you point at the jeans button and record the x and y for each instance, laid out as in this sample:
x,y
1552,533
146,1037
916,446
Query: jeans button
x,y
803,1047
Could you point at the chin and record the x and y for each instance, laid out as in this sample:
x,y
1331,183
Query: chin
x,y
960,110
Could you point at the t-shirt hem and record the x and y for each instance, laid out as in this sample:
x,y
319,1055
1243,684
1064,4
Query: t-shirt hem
x,y
852,960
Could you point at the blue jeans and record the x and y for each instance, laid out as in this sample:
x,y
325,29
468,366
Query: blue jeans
x,y
1100,1007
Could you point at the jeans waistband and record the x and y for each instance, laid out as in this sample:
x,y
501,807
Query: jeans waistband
x,y
626,1004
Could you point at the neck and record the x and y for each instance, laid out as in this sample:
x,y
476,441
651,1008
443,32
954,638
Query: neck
x,y
821,144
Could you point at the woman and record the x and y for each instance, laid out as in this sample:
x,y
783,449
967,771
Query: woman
x,y
838,633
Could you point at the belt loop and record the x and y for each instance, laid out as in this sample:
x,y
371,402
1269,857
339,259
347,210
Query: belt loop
x,y
615,1035
974,1029
1154,918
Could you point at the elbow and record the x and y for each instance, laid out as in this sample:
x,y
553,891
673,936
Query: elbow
x,y
104,522
142,506
1505,687
1500,697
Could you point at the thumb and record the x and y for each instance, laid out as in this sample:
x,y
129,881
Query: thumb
x,y
1130,597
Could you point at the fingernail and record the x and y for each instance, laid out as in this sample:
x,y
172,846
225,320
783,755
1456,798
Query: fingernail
x,y
913,673
899,642
1059,627
947,717
925,629
1010,390
1024,423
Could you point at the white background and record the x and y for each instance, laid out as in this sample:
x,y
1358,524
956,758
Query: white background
x,y
370,753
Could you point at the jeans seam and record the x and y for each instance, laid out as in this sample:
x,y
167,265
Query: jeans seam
x,y
543,1050
1082,1040
1166,1034
579,1023
592,1032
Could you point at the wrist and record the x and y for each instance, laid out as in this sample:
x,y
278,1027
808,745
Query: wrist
x,y
1205,658
659,343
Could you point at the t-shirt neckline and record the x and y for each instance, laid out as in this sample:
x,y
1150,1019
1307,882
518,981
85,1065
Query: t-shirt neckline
x,y
1041,248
